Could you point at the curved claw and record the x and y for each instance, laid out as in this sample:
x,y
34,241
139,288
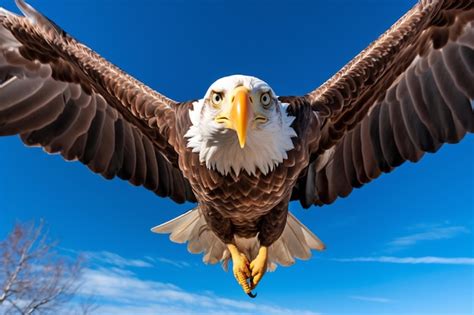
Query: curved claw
x,y
249,293
242,280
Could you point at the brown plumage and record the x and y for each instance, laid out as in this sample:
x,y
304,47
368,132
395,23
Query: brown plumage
x,y
408,93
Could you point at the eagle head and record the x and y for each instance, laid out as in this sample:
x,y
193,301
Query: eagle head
x,y
240,125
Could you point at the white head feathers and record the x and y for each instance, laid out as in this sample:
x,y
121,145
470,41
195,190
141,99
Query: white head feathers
x,y
266,146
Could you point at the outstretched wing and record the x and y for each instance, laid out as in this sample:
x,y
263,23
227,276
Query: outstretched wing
x,y
408,93
58,94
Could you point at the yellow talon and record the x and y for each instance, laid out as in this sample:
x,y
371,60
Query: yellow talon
x,y
241,269
258,266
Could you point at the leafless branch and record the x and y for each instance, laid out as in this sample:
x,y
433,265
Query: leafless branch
x,y
34,278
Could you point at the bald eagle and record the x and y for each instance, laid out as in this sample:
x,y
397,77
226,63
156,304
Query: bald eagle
x,y
242,152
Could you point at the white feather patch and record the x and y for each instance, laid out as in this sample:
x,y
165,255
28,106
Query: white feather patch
x,y
219,148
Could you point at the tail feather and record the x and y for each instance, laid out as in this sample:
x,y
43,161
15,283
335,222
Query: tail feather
x,y
183,233
170,226
311,239
179,227
283,258
191,227
296,241
215,253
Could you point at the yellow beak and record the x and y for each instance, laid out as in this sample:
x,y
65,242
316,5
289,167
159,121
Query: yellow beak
x,y
241,113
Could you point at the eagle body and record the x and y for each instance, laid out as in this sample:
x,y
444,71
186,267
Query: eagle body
x,y
238,204
241,152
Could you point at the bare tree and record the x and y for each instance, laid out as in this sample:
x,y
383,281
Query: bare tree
x,y
34,278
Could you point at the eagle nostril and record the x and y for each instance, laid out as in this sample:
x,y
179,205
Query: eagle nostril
x,y
222,119
261,119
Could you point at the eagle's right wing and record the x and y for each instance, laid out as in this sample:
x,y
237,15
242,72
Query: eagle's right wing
x,y
58,94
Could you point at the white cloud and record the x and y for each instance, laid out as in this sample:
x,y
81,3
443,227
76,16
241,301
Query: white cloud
x,y
122,292
412,260
112,259
370,299
432,233
175,263
105,257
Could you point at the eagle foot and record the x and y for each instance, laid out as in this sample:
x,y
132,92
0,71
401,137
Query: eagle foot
x,y
241,270
258,266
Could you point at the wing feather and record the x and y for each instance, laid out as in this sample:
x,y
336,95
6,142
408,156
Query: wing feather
x,y
58,94
408,93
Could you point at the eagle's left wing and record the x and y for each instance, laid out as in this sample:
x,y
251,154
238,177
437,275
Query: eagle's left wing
x,y
408,93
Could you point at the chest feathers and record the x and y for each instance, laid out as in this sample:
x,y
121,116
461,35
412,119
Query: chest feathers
x,y
219,148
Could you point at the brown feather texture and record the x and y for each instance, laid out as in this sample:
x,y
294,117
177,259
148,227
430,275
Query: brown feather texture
x,y
60,95
406,94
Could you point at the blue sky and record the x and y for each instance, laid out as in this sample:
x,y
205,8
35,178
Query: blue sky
x,y
400,245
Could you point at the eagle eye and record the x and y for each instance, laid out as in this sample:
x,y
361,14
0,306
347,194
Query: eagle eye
x,y
265,99
216,98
